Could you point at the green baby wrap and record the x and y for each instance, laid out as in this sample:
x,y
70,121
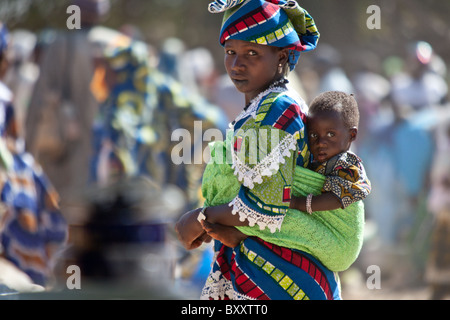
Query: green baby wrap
x,y
334,237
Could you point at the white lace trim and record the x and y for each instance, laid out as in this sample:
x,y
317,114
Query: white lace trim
x,y
254,104
254,217
217,287
265,168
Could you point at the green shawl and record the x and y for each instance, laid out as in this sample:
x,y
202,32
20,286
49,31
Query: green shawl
x,y
334,237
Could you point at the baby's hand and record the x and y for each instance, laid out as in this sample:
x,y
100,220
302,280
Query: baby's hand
x,y
229,236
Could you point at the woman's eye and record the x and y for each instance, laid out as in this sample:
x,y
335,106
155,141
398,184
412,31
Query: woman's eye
x,y
252,53
229,52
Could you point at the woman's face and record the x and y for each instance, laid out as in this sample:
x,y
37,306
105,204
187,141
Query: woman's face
x,y
252,67
328,135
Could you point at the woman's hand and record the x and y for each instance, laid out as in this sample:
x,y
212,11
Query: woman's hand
x,y
190,232
229,236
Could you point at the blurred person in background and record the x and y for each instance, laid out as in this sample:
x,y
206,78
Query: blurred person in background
x,y
134,125
23,72
133,130
32,229
227,97
125,249
371,91
402,141
421,86
62,107
200,71
418,96
438,266
170,57
193,68
332,77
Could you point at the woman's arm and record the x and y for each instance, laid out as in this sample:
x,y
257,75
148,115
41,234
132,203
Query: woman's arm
x,y
192,234
223,215
220,223
324,202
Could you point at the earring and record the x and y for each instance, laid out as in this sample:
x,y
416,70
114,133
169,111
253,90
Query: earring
x,y
280,68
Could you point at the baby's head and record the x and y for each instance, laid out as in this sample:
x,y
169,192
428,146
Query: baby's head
x,y
333,120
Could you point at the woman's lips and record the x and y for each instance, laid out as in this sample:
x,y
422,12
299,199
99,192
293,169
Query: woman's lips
x,y
238,78
239,81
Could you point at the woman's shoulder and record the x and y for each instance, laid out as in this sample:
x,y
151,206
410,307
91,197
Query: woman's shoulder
x,y
282,100
282,110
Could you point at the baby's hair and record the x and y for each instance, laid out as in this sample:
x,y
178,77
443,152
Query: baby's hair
x,y
340,102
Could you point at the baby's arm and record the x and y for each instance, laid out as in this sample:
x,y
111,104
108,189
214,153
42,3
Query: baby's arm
x,y
324,202
229,236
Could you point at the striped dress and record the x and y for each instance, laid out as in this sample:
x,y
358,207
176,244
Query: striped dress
x,y
32,227
268,142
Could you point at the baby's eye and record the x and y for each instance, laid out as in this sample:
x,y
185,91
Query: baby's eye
x,y
330,134
313,135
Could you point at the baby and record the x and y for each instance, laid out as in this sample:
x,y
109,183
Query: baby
x,y
332,126
334,233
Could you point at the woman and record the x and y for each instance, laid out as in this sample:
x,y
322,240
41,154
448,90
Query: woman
x,y
262,39
33,229
131,132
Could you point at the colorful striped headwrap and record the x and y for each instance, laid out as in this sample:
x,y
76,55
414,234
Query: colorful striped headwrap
x,y
278,23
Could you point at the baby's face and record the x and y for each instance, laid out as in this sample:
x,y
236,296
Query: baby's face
x,y
328,135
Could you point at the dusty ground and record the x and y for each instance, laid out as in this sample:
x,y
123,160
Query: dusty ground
x,y
354,287
399,277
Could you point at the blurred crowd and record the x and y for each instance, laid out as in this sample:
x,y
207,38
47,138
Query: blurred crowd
x,y
403,139
94,111
86,172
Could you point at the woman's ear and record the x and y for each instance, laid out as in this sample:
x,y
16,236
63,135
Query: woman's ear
x,y
353,133
283,56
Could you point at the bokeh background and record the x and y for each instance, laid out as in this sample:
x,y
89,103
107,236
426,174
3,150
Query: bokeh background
x,y
342,25
398,73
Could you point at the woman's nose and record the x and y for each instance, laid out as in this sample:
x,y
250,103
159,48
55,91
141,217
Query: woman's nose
x,y
238,63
